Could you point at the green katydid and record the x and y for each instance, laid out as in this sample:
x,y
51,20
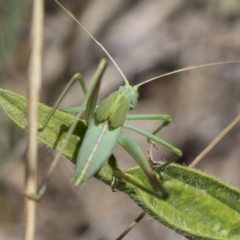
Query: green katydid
x,y
105,124
104,130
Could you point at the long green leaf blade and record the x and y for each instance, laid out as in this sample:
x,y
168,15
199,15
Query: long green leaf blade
x,y
15,106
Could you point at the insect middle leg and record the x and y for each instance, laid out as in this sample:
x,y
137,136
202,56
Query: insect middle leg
x,y
152,136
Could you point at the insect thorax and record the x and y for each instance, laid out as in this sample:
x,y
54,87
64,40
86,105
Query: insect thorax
x,y
131,93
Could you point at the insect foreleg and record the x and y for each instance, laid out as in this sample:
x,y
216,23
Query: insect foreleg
x,y
165,118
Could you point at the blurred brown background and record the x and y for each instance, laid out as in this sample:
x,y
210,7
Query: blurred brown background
x,y
146,39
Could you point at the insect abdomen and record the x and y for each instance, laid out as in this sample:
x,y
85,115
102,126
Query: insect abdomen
x,y
96,148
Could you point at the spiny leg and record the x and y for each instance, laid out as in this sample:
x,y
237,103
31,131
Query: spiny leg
x,y
135,151
151,136
77,77
118,175
165,118
95,82
177,151
166,121
137,154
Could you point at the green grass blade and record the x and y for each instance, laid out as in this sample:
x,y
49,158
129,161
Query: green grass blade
x,y
199,206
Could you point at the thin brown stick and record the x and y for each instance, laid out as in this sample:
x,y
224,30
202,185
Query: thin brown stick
x,y
215,141
34,85
131,226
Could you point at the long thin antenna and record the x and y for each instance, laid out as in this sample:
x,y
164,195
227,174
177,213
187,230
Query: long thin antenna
x,y
185,69
95,40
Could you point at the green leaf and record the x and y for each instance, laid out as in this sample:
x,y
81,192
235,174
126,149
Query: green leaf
x,y
199,206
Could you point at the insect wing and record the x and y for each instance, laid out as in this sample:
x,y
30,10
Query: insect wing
x,y
105,108
120,110
114,108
